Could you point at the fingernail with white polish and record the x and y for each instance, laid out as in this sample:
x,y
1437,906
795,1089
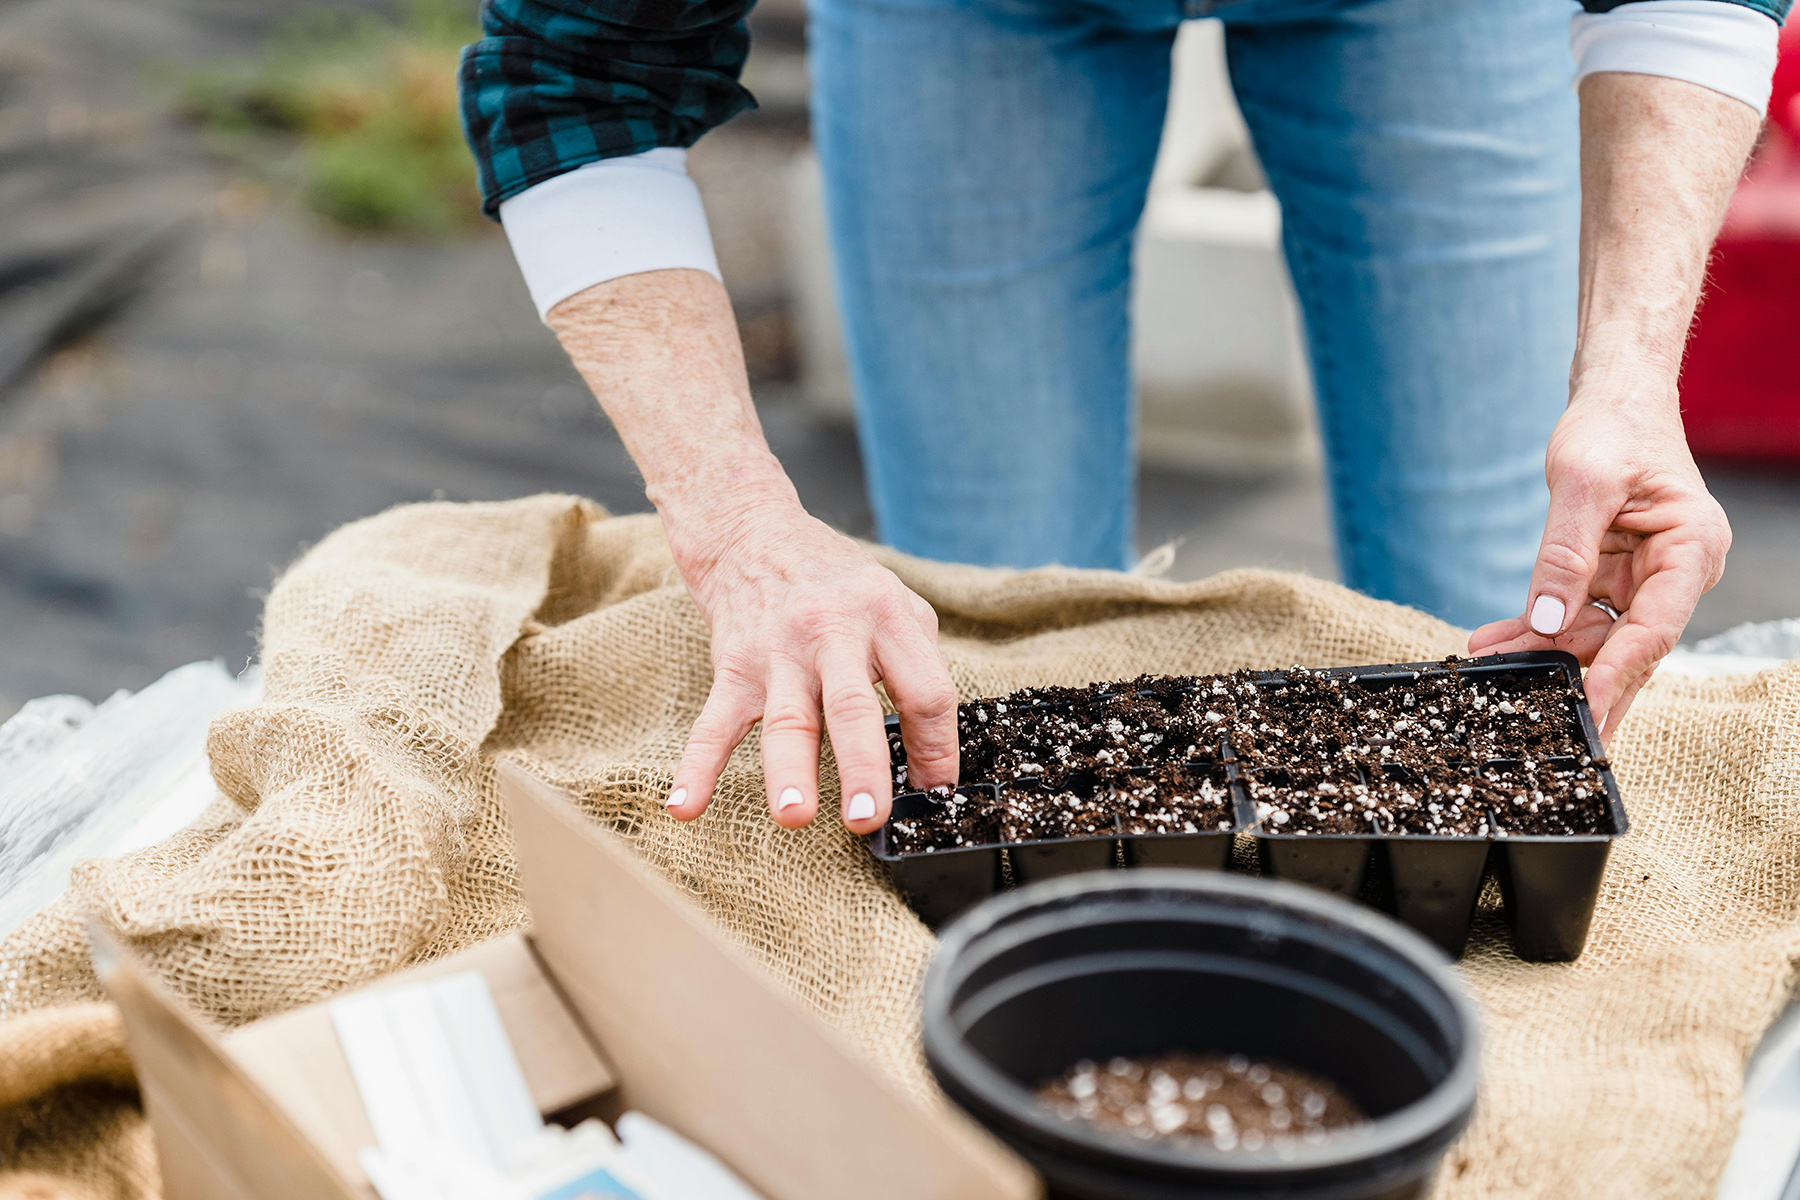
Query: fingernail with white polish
x,y
1547,615
787,799
676,799
862,807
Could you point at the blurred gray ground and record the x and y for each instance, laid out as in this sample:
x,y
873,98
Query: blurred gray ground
x,y
207,379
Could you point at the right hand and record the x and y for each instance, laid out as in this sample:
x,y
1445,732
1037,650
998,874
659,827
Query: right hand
x,y
804,622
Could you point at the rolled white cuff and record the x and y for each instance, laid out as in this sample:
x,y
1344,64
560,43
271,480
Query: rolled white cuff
x,y
616,217
1726,47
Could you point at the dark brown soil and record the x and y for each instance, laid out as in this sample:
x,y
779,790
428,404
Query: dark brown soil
x,y
1231,1103
1336,719
1069,732
1320,753
1566,798
1179,799
1302,801
963,818
1081,762
1438,806
1393,800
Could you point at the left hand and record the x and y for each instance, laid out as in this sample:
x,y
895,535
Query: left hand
x,y
1631,523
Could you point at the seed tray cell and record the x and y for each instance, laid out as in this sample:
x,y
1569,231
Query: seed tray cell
x,y
1524,811
1549,881
1023,850
939,883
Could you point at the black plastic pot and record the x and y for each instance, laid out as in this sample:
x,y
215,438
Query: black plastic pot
x,y
1031,981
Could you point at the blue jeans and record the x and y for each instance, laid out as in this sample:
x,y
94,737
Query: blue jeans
x,y
986,163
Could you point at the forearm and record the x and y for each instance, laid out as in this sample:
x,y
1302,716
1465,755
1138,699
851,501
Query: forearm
x,y
1659,160
803,620
1630,518
661,352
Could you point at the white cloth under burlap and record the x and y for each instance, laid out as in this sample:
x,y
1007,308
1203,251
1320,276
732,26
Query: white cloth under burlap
x,y
357,833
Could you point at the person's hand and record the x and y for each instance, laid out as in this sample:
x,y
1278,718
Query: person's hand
x,y
1631,523
804,623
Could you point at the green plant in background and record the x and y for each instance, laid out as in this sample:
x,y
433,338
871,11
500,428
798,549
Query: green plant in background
x,y
373,103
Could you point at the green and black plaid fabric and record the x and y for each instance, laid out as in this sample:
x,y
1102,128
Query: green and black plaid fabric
x,y
557,84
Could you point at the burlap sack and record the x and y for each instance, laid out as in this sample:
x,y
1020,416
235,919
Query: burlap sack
x,y
357,833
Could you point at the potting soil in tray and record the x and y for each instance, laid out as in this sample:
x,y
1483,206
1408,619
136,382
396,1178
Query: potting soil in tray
x,y
1415,770
1177,800
1229,1102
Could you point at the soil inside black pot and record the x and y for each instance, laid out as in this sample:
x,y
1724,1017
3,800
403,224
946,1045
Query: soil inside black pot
x,y
1230,1102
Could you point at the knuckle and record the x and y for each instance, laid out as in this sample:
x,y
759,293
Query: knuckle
x,y
890,601
1561,559
850,704
1719,532
1580,462
716,722
812,607
734,671
787,719
1658,640
708,735
933,703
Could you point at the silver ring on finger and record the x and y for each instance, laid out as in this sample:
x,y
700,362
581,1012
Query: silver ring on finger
x,y
1604,607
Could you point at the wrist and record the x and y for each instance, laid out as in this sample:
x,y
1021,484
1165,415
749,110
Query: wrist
x,y
1626,363
718,507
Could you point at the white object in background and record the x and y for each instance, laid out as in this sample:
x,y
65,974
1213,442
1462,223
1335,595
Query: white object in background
x,y
40,726
1766,639
1741,650
82,795
185,798
1765,1160
433,1064
455,1120
1216,343
675,1165
1694,665
824,369
1202,126
1762,1165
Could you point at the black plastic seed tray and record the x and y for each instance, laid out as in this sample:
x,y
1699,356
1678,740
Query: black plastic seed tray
x,y
939,884
1431,882
1549,883
944,882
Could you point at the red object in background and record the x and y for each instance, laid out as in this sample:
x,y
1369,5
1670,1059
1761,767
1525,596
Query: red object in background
x,y
1740,384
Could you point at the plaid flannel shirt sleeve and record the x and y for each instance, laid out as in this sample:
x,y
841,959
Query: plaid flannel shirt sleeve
x,y
557,84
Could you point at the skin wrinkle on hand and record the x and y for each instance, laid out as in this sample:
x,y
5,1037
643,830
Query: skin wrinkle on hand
x,y
1631,521
804,622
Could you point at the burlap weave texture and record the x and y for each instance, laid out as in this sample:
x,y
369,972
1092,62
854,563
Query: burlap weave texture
x,y
357,832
